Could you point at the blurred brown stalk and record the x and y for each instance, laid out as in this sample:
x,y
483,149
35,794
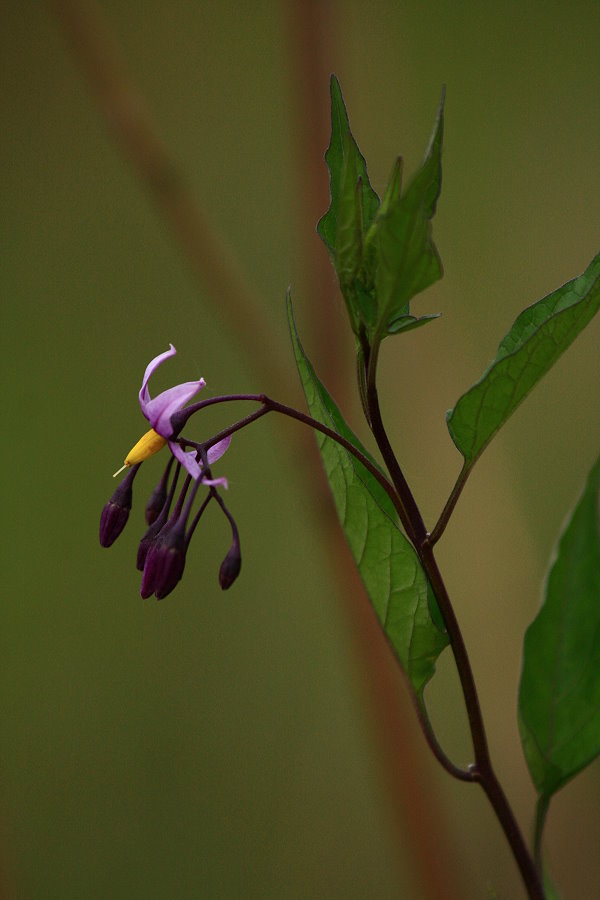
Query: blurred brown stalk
x,y
418,815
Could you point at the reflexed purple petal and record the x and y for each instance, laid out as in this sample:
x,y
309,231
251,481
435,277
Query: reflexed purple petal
x,y
159,410
150,368
216,481
217,451
187,458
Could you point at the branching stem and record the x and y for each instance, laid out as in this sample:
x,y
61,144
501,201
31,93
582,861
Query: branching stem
x,y
271,405
400,494
448,509
482,770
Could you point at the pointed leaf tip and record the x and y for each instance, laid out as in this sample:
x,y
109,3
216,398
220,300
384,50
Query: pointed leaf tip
x,y
346,165
559,694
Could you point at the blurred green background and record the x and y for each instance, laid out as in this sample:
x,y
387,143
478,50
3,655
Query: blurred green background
x,y
220,745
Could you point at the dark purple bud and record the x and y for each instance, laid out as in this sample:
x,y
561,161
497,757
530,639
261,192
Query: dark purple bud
x,y
116,512
161,520
170,559
231,565
158,497
148,540
150,568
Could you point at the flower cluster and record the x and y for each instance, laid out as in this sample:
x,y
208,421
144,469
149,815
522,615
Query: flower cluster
x,y
171,524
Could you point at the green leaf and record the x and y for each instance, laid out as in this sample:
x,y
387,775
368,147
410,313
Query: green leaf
x,y
346,166
559,696
406,258
536,340
407,323
390,569
352,209
349,231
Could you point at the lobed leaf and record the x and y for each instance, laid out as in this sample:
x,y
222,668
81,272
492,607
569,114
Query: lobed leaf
x,y
389,567
559,695
347,167
383,253
538,337
407,259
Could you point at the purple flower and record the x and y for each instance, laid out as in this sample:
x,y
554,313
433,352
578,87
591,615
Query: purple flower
x,y
159,412
163,548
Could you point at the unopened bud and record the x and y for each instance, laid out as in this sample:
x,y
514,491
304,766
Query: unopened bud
x,y
116,512
165,561
148,539
231,565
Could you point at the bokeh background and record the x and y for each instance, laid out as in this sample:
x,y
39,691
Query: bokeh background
x,y
224,745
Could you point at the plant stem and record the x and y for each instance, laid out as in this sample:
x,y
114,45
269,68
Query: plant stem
x,y
448,509
434,745
541,811
271,405
483,771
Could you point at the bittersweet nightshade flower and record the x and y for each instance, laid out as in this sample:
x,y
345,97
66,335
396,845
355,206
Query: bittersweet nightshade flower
x,y
116,512
162,550
159,411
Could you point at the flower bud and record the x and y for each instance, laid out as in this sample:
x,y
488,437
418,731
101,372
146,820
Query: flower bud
x,y
231,565
116,512
165,561
148,539
149,573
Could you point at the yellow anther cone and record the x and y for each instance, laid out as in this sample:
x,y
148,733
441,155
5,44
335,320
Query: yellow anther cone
x,y
147,446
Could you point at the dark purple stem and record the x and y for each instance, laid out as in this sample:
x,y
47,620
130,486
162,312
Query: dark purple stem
x,y
270,405
198,515
448,509
401,496
482,771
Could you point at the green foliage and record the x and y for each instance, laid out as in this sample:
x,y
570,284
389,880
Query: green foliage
x,y
559,697
383,254
407,261
390,569
536,340
352,208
